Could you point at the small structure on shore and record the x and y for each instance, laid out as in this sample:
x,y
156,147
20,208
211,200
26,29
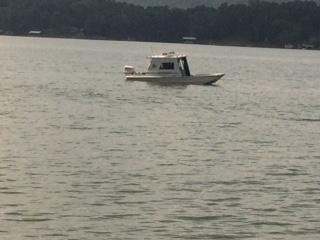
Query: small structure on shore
x,y
35,32
189,39
307,46
288,46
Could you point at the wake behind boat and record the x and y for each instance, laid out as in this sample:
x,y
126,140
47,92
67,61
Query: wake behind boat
x,y
170,68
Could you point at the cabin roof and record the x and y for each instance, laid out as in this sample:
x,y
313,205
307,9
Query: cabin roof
x,y
168,55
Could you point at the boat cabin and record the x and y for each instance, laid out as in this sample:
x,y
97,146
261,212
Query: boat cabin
x,y
169,64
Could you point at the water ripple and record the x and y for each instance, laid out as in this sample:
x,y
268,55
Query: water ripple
x,y
87,155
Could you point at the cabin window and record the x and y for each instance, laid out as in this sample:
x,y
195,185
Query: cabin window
x,y
167,66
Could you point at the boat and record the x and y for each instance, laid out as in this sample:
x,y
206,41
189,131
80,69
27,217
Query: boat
x,y
170,68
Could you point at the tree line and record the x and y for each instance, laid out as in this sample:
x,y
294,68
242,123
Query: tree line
x,y
193,3
258,23
185,3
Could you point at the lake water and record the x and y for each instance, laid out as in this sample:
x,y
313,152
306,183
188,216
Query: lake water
x,y
86,155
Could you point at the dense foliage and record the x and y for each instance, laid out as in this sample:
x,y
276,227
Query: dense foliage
x,y
193,3
257,23
183,3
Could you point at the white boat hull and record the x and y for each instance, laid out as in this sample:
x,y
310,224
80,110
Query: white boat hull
x,y
194,79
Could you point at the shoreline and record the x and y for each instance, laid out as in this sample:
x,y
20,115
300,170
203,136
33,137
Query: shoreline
x,y
222,44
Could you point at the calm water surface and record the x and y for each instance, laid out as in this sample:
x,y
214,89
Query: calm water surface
x,y
86,155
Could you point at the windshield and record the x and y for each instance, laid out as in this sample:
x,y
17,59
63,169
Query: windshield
x,y
183,66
